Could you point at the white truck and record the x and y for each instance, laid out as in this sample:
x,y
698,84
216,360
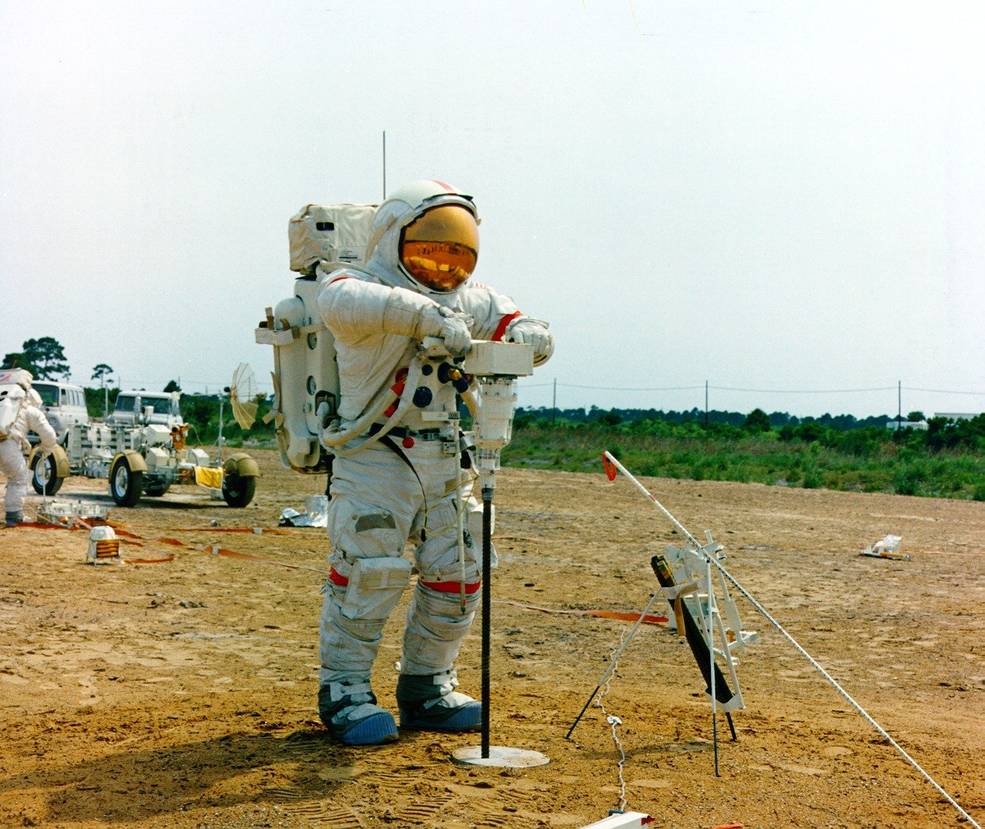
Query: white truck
x,y
143,453
131,408
63,405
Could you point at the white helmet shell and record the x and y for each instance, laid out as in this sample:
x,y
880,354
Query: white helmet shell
x,y
19,376
400,210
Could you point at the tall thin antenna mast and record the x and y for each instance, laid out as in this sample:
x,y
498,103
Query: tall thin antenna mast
x,y
384,165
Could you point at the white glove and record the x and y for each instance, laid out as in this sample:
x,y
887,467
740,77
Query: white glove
x,y
452,326
535,333
456,334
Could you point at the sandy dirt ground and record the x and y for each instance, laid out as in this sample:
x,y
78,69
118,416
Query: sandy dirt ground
x,y
182,693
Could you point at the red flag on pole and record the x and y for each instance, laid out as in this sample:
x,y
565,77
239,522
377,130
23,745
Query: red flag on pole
x,y
609,467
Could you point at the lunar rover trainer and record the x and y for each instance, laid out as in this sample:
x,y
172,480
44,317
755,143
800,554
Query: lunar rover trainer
x,y
143,457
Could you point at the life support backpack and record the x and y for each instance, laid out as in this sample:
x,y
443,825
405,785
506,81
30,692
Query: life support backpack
x,y
305,376
13,397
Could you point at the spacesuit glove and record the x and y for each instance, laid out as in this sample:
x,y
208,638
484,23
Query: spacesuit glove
x,y
535,333
453,327
456,334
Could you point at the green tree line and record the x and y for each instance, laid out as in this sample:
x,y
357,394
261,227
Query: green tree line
x,y
944,460
831,451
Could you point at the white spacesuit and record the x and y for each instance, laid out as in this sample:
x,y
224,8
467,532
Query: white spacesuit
x,y
396,474
19,414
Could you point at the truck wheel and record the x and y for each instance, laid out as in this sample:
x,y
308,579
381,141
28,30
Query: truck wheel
x,y
124,483
238,490
45,471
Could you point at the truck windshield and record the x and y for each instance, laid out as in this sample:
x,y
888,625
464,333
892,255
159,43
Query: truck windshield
x,y
162,405
49,394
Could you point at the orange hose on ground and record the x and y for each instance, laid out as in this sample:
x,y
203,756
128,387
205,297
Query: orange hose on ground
x,y
263,530
619,615
164,560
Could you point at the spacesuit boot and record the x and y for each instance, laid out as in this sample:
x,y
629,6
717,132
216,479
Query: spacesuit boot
x,y
349,711
14,518
431,703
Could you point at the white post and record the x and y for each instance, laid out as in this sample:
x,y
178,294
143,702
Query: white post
x,y
711,658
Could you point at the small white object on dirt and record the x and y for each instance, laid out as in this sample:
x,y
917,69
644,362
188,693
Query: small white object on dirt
x,y
315,513
622,820
887,547
66,512
104,546
502,757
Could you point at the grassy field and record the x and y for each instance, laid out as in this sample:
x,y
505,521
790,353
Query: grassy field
x,y
864,460
945,460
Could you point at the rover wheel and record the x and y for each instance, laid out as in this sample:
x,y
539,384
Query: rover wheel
x,y
124,483
238,490
43,472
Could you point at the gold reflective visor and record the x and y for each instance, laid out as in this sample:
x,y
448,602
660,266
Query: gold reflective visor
x,y
440,247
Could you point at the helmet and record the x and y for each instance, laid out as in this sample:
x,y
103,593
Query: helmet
x,y
16,376
434,230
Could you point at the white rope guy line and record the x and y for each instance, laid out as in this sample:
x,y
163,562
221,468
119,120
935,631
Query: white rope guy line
x,y
603,688
817,666
847,697
614,722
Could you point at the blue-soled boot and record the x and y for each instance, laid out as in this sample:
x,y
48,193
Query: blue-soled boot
x,y
350,713
431,703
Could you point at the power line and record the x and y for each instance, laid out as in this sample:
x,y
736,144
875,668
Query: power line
x,y
738,389
267,387
625,388
945,391
804,391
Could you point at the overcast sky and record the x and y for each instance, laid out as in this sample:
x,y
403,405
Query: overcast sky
x,y
762,194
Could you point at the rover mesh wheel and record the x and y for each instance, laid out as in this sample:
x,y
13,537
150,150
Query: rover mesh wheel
x,y
125,483
238,490
45,471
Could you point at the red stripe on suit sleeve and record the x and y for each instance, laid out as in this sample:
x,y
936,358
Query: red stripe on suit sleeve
x,y
503,325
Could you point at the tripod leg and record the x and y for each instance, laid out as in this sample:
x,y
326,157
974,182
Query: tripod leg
x,y
582,712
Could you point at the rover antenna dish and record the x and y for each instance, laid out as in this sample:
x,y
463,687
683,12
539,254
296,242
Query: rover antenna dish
x,y
242,396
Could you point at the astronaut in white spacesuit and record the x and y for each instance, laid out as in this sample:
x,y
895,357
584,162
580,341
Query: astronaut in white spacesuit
x,y
396,471
19,414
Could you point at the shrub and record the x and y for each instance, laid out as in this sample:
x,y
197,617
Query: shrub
x,y
757,421
812,479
